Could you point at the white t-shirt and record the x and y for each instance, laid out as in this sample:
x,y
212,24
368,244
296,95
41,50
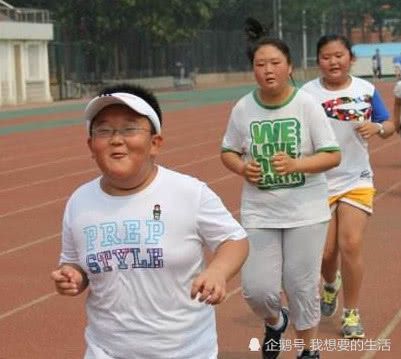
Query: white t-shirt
x,y
141,253
346,109
300,128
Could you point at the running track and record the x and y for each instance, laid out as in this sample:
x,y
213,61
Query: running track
x,y
40,168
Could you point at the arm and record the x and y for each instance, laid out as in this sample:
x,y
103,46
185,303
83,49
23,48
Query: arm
x,y
250,170
70,279
318,162
227,261
380,125
368,129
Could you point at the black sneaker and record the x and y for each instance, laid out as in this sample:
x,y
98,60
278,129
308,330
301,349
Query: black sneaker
x,y
271,343
310,354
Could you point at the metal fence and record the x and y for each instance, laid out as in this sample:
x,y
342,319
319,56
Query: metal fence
x,y
137,56
77,66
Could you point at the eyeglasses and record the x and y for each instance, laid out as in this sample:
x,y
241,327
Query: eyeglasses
x,y
125,131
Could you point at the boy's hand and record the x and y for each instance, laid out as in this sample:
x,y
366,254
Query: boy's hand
x,y
68,280
211,286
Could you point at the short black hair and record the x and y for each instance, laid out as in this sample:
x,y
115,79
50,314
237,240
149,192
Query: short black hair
x,y
140,91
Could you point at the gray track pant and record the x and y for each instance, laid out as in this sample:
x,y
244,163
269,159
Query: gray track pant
x,y
288,258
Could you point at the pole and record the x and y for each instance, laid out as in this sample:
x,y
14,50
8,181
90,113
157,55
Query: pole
x,y
304,41
280,23
323,25
275,27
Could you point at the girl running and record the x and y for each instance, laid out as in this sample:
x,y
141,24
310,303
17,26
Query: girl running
x,y
280,141
356,113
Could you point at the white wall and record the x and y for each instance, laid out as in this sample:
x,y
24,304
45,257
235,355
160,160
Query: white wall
x,y
33,76
25,31
31,82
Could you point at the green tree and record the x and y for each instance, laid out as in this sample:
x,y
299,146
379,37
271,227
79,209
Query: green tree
x,y
165,20
104,28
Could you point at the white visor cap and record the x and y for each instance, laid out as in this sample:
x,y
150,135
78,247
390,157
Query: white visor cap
x,y
134,102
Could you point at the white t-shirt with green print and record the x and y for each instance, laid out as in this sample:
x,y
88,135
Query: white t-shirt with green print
x,y
298,127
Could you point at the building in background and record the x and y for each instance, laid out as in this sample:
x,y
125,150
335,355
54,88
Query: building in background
x,y
24,66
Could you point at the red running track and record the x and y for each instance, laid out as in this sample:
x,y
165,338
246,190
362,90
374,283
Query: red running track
x,y
39,170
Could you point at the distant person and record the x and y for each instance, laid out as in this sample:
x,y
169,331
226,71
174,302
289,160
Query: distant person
x,y
135,237
279,140
397,66
356,113
377,65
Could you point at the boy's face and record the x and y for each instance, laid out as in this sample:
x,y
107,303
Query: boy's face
x,y
123,146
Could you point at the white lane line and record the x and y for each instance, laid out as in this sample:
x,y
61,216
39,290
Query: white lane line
x,y
94,169
387,191
30,208
223,178
52,179
25,209
59,148
232,293
27,305
203,159
44,164
50,295
389,328
35,183
383,146
29,244
204,133
385,334
52,236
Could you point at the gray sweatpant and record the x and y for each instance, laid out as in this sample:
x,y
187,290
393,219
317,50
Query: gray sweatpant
x,y
288,258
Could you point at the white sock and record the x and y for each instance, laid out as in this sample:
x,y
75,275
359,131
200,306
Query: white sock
x,y
279,323
333,285
347,310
